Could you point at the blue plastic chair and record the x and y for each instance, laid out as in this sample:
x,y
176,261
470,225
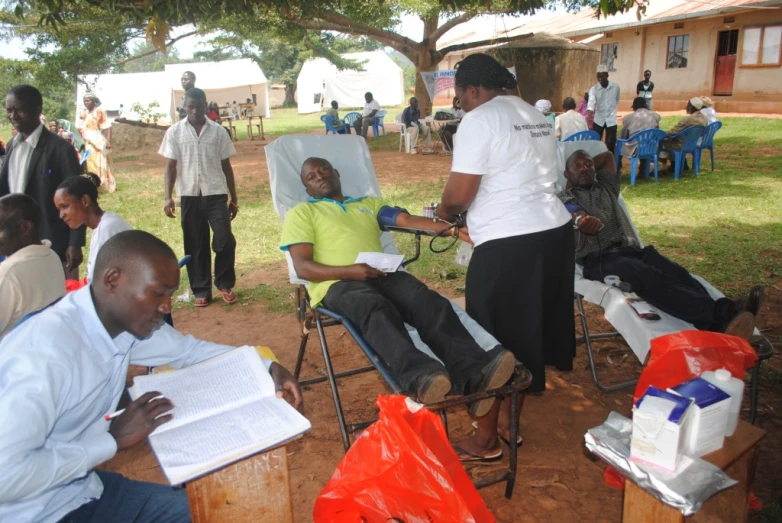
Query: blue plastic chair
x,y
690,137
582,136
332,125
648,142
350,118
378,123
707,143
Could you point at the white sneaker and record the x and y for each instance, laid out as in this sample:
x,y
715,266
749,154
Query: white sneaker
x,y
413,151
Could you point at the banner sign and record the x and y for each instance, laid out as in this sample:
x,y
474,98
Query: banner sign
x,y
437,82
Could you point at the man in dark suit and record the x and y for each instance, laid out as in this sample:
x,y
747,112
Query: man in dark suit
x,y
36,162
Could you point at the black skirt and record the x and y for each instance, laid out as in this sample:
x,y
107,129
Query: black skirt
x,y
520,289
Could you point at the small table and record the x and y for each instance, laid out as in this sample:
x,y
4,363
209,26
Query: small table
x,y
253,489
737,458
259,125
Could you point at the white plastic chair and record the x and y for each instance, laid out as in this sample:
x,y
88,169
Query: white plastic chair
x,y
404,136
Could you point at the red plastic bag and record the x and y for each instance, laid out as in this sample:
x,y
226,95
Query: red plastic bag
x,y
75,285
676,358
402,468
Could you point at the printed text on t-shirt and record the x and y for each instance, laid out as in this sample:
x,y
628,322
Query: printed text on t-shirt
x,y
545,129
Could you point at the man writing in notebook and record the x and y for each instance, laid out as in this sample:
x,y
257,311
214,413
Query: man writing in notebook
x,y
64,369
324,237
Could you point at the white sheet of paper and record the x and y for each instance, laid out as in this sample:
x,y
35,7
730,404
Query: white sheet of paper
x,y
381,261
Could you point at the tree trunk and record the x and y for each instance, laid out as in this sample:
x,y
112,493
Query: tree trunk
x,y
425,64
290,92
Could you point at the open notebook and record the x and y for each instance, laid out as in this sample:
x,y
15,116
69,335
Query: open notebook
x,y
225,409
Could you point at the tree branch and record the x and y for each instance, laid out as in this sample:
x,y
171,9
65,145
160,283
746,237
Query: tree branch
x,y
450,24
472,45
349,26
148,53
410,50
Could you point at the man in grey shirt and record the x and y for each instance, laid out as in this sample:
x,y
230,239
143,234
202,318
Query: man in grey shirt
x,y
639,120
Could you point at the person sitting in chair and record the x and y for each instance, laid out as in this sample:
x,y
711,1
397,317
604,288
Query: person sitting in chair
x,y
694,117
639,120
606,245
411,118
324,236
31,277
339,126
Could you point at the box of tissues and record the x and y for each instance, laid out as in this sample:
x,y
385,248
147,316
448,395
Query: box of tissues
x,y
659,428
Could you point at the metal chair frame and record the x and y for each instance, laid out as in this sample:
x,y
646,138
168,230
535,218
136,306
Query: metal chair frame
x,y
324,318
762,346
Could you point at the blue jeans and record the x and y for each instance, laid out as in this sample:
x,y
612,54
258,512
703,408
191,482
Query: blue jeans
x,y
125,500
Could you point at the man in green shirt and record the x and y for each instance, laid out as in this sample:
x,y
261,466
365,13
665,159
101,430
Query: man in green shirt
x,y
324,236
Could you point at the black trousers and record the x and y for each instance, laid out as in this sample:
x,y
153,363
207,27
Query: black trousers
x,y
610,133
663,283
381,306
198,214
520,289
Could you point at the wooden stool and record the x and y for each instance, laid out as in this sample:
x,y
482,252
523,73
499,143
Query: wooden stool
x,y
737,458
250,126
254,489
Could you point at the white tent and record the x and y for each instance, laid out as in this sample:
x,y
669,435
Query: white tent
x,y
126,89
320,82
224,82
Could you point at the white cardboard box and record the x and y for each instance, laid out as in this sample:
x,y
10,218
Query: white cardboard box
x,y
659,428
709,416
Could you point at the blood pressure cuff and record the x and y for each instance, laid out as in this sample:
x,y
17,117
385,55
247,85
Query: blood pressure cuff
x,y
386,216
573,207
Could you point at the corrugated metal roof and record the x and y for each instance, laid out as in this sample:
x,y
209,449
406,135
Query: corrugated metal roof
x,y
586,22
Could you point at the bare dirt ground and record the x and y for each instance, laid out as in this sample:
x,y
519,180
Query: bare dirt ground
x,y
556,479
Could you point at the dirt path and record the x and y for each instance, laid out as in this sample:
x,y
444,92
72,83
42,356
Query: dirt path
x,y
555,474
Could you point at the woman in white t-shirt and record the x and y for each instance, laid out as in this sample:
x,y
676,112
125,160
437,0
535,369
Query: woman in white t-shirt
x,y
77,200
520,279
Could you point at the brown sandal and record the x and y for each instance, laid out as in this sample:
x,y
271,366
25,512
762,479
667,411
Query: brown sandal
x,y
201,302
229,296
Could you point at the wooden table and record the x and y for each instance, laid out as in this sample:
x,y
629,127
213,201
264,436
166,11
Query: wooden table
x,y
737,458
254,489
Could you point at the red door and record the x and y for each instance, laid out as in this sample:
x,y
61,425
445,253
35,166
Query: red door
x,y
725,68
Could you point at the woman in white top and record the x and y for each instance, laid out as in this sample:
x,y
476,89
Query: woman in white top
x,y
77,200
520,279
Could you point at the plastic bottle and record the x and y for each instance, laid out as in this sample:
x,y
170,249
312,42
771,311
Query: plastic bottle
x,y
723,379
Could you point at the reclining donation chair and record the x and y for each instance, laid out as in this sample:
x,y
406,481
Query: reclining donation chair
x,y
350,156
637,332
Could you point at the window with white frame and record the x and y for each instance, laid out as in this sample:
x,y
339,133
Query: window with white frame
x,y
761,46
678,52
608,55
